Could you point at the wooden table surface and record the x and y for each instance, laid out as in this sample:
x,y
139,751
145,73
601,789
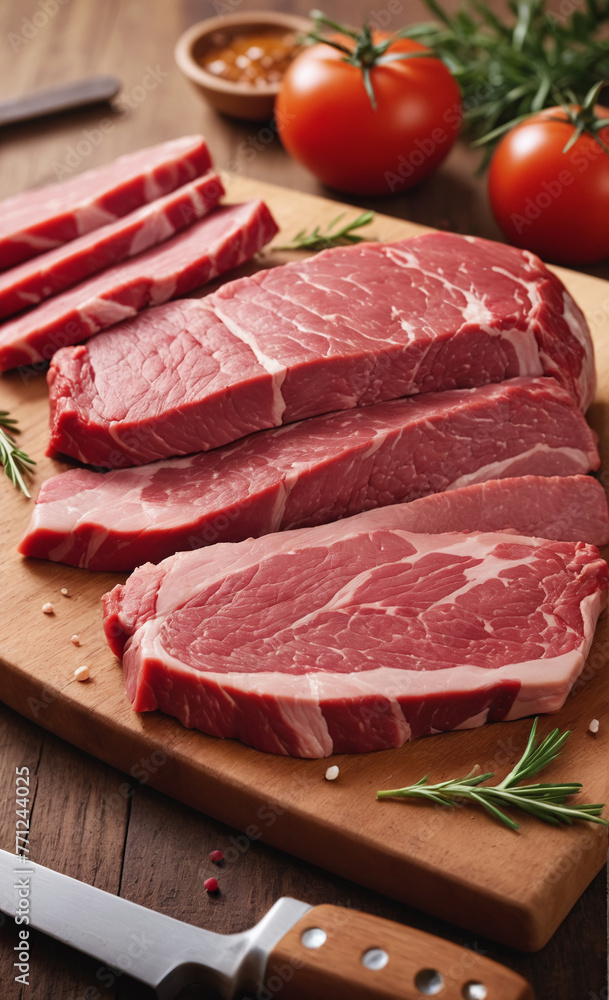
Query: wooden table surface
x,y
143,845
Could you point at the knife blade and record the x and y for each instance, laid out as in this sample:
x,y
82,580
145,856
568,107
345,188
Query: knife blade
x,y
82,93
296,951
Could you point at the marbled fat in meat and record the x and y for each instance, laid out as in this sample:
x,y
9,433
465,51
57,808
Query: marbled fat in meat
x,y
349,327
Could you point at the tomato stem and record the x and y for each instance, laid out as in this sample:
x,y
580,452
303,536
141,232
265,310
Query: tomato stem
x,y
584,118
365,54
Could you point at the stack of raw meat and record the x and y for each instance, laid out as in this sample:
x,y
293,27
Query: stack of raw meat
x,y
82,255
384,525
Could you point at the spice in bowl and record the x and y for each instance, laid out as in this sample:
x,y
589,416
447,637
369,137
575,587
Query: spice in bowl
x,y
237,61
258,57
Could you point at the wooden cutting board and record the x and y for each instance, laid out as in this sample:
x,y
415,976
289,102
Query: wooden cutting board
x,y
456,864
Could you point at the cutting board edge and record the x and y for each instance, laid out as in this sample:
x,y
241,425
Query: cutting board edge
x,y
516,923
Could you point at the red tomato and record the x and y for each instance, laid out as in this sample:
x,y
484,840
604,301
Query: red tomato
x,y
553,203
326,120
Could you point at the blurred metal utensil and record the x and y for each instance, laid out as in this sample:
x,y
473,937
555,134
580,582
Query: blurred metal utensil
x,y
79,94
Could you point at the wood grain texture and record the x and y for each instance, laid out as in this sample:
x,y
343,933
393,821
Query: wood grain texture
x,y
165,861
122,36
335,969
64,798
423,857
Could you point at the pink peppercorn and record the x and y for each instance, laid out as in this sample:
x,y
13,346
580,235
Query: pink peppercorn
x,y
216,856
211,884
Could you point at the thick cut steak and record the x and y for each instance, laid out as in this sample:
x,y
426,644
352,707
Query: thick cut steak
x,y
326,468
223,239
348,327
38,220
358,635
52,272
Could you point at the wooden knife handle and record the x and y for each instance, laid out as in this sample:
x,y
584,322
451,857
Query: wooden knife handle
x,y
334,953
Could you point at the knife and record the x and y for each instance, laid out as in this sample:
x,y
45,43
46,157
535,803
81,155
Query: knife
x,y
296,952
93,90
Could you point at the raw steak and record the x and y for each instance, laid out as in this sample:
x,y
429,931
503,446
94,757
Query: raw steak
x,y
357,635
329,467
52,272
225,238
38,220
348,327
565,508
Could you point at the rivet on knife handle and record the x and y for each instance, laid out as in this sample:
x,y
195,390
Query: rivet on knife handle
x,y
334,953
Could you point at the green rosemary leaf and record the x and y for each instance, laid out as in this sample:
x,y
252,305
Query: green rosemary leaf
x,y
441,14
545,801
331,236
496,813
520,63
16,463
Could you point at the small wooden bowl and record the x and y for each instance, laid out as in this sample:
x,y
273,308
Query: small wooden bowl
x,y
238,100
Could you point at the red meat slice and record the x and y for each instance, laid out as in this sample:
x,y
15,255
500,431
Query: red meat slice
x,y
358,635
38,220
348,327
329,467
224,239
52,272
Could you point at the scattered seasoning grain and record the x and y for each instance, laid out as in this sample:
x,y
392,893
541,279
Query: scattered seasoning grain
x,y
593,727
332,773
65,592
82,673
211,884
216,857
47,609
75,640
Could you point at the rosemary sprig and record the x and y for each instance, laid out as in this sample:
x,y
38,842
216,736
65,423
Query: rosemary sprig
x,y
545,801
331,236
16,463
507,71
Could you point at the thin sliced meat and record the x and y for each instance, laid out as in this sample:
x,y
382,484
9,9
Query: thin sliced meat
x,y
221,240
333,466
565,508
38,220
53,272
358,635
346,328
